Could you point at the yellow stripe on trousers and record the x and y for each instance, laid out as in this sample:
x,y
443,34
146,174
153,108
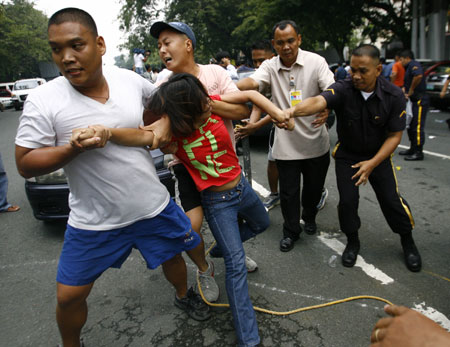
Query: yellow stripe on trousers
x,y
419,119
335,149
405,207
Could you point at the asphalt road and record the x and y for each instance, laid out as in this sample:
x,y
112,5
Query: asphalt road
x,y
133,306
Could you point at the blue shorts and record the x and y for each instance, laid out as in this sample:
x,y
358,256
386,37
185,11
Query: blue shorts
x,y
86,254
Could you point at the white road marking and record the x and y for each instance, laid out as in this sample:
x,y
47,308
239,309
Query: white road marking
x,y
433,314
33,263
369,269
443,156
338,247
260,189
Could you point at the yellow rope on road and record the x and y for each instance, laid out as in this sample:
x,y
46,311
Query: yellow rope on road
x,y
301,309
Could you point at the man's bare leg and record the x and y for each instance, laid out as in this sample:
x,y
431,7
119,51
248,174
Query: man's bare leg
x,y
176,273
197,254
71,312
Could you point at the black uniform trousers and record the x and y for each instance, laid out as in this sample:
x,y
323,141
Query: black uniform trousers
x,y
416,130
383,181
314,172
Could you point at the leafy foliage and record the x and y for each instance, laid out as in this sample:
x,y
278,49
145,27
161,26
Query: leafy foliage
x,y
233,25
23,34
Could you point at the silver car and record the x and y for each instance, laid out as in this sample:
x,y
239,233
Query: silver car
x,y
435,82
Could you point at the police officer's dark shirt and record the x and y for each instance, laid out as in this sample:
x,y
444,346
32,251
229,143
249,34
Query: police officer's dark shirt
x,y
363,125
413,69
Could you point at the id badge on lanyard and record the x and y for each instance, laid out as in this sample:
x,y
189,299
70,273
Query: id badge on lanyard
x,y
295,96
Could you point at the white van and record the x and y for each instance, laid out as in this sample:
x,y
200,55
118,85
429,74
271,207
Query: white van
x,y
22,88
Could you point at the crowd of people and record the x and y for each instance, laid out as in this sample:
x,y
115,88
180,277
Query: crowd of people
x,y
99,129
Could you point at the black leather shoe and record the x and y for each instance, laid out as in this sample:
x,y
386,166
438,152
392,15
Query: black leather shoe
x,y
310,228
406,152
415,156
286,244
412,258
350,254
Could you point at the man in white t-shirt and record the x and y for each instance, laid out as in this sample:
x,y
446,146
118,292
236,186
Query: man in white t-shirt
x,y
140,60
294,75
224,59
117,201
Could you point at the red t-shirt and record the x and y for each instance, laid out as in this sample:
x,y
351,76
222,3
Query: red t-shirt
x,y
208,153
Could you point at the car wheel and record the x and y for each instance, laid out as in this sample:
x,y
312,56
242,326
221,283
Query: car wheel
x,y
17,107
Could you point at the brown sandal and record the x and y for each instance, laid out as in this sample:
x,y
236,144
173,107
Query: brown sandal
x,y
14,208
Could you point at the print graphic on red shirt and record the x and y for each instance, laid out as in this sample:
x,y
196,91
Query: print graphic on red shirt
x,y
208,154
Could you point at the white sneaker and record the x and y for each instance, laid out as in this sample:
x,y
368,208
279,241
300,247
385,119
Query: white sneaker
x,y
323,199
250,264
209,286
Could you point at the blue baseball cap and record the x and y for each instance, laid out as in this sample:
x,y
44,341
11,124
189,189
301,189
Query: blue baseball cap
x,y
181,27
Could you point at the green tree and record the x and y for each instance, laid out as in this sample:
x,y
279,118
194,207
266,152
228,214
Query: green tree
x,y
388,19
234,25
23,37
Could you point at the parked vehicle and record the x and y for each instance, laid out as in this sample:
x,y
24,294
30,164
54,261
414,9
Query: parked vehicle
x,y
6,98
433,67
6,86
435,81
22,88
49,194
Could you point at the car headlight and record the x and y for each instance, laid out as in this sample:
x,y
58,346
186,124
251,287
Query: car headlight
x,y
55,177
14,97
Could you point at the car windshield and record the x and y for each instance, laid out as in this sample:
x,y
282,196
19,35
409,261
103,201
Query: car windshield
x,y
442,70
25,85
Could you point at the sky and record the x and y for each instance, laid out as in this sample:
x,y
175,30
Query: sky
x,y
104,13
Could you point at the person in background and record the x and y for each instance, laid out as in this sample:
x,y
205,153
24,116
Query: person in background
x,y
224,59
243,65
398,72
442,95
261,51
140,57
303,153
5,206
415,90
340,73
407,328
148,73
155,73
387,70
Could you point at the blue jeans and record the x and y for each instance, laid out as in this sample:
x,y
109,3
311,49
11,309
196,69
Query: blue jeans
x,y
221,212
4,205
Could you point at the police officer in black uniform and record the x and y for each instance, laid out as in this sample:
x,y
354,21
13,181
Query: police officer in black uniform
x,y
415,90
370,121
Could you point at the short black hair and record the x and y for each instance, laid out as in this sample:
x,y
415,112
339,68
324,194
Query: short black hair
x,y
221,55
264,45
183,98
76,15
367,50
407,53
283,24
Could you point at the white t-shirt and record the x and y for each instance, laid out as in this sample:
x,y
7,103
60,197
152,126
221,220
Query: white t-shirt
x,y
232,72
307,77
138,60
110,187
